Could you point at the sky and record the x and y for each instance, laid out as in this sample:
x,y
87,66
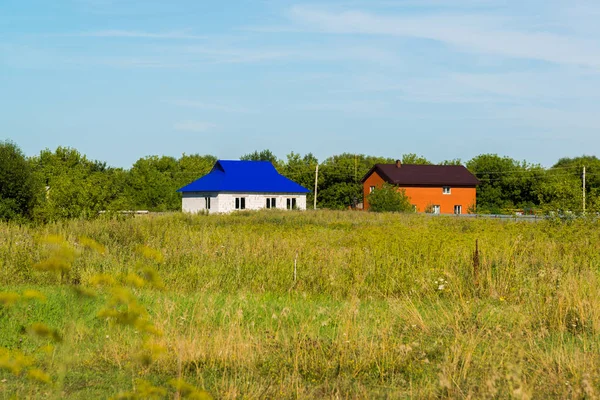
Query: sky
x,y
122,79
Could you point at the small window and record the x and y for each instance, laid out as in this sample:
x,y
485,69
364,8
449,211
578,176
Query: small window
x,y
414,207
446,189
371,189
291,204
240,203
273,203
207,203
458,210
268,203
436,209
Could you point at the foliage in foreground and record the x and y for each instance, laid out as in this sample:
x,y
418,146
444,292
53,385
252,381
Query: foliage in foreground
x,y
384,305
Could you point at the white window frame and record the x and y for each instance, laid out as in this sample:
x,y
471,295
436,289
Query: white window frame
x,y
291,203
458,209
371,189
240,203
436,209
271,202
446,190
207,202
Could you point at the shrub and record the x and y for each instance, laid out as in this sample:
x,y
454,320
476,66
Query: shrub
x,y
17,185
389,198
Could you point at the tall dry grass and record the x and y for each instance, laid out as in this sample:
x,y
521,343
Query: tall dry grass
x,y
383,305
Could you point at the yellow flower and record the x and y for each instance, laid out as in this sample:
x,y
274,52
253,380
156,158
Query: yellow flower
x,y
33,295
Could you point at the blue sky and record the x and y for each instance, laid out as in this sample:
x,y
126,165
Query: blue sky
x,y
121,79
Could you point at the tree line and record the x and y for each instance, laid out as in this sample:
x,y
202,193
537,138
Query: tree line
x,y
64,183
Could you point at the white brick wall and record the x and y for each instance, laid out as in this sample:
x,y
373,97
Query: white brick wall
x,y
194,202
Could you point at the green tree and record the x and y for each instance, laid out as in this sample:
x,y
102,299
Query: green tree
x,y
565,190
412,158
192,167
505,183
301,169
76,186
454,161
264,155
18,187
340,179
389,199
152,184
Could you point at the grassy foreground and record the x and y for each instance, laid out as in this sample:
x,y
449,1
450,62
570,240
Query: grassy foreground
x,y
383,306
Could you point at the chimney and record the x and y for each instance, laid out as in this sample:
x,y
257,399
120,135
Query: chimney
x,y
398,164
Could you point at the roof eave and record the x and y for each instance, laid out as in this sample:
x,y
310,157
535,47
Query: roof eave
x,y
380,172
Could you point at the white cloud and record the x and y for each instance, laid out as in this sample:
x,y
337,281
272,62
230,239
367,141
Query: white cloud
x,y
476,33
194,126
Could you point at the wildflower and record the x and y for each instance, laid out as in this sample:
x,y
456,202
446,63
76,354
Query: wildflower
x,y
150,352
33,295
14,362
8,298
147,391
441,283
134,280
186,390
102,279
152,277
44,331
92,244
53,239
60,261
36,374
83,292
150,253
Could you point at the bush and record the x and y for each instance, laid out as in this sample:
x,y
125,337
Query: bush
x,y
389,198
17,185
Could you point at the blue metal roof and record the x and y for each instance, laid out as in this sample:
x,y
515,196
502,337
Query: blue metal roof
x,y
244,176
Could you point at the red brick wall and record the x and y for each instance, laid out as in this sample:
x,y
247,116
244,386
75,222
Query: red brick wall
x,y
426,196
373,180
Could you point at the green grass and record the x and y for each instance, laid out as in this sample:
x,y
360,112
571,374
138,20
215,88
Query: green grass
x,y
384,306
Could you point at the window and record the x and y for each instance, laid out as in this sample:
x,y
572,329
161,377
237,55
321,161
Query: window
x,y
207,203
240,203
436,209
371,189
458,209
414,207
446,189
271,203
291,204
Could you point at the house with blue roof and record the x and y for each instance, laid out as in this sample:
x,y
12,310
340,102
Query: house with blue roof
x,y
242,185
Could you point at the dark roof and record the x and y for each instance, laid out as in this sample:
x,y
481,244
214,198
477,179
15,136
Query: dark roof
x,y
424,175
244,176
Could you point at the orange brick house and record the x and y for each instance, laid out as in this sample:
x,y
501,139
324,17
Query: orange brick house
x,y
440,189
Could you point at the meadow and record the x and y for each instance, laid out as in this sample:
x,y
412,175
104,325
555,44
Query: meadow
x,y
315,304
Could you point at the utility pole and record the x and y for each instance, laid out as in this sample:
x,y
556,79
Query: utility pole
x,y
584,189
316,181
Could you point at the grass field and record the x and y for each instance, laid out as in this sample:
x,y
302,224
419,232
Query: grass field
x,y
383,306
